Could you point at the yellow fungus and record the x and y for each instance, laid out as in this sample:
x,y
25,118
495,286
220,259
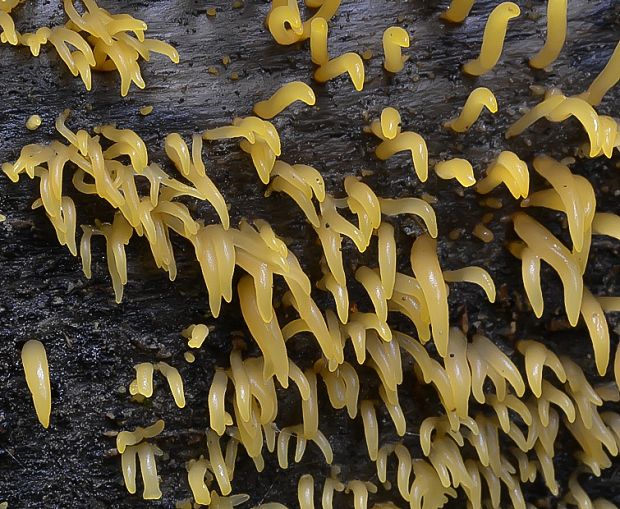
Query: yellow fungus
x,y
544,245
328,69
34,361
196,335
33,122
474,275
326,10
480,98
427,271
388,126
146,110
483,233
411,142
350,63
511,171
128,438
175,382
283,98
144,379
284,22
148,469
556,34
607,78
394,38
196,479
459,169
318,42
493,39
458,10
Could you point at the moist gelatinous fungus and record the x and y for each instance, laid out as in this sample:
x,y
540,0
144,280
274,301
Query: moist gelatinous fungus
x,y
394,39
92,40
493,39
372,329
36,369
479,99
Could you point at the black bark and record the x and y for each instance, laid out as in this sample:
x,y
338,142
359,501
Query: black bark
x,y
92,343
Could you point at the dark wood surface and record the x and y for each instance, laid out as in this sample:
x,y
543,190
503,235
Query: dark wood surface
x,y
92,343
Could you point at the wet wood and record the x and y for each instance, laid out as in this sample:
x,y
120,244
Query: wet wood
x,y
92,343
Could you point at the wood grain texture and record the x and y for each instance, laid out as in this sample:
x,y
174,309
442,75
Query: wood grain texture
x,y
92,343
